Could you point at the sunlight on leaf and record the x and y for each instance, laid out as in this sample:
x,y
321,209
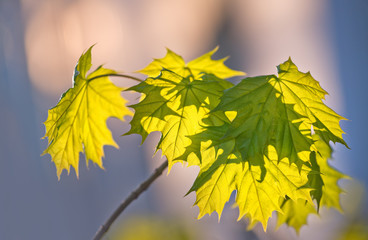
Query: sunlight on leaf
x,y
295,213
266,150
266,138
204,63
175,106
78,122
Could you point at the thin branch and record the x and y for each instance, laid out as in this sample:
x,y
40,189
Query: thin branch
x,y
133,195
116,75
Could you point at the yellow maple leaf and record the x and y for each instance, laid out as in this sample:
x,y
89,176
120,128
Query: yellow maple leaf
x,y
295,213
204,63
78,122
224,171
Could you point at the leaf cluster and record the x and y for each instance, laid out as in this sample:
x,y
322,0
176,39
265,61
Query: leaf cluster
x,y
267,137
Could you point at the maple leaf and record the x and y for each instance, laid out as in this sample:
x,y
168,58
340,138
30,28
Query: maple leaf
x,y
258,196
78,122
280,111
218,170
204,63
295,213
330,176
175,106
326,190
264,151
323,180
223,171
266,138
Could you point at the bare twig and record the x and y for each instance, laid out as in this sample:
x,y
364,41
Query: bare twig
x,y
116,75
133,195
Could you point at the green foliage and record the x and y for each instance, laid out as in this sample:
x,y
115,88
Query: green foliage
x,y
267,138
175,106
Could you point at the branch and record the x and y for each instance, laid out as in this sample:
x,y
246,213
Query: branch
x,y
116,75
133,195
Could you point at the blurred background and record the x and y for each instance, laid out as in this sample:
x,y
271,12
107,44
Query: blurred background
x,y
40,43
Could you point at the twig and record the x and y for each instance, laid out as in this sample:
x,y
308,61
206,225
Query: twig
x,y
133,195
116,75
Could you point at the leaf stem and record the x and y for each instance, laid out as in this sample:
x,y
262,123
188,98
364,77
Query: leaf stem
x,y
132,196
117,75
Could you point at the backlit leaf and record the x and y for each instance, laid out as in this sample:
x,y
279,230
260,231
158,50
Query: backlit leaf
x,y
326,189
323,180
175,106
223,171
78,122
266,138
280,111
204,63
266,150
295,213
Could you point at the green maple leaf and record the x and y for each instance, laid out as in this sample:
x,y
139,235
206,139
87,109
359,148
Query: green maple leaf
x,y
264,150
323,180
330,176
177,97
267,138
258,197
223,171
78,122
326,190
204,63
218,170
280,111
175,106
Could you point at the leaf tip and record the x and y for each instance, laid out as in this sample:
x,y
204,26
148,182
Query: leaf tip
x,y
213,51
